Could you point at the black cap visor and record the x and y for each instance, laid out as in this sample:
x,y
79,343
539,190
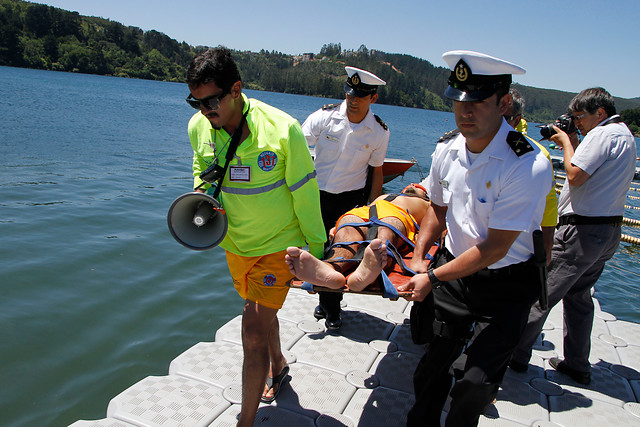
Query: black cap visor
x,y
469,94
361,91
475,88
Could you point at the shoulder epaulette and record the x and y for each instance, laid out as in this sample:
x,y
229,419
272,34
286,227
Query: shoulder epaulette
x,y
330,106
447,136
518,143
383,124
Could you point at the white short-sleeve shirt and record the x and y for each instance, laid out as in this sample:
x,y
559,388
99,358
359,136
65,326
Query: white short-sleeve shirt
x,y
608,154
500,190
344,150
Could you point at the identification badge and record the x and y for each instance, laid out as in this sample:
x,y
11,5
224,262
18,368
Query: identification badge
x,y
240,173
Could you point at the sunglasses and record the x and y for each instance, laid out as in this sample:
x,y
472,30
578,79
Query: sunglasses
x,y
209,103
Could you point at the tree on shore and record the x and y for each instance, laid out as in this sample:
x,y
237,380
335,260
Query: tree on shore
x,y
39,36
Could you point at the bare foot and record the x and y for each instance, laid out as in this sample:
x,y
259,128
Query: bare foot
x,y
310,269
373,261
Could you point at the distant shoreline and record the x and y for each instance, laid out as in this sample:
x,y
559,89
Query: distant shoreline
x,y
59,40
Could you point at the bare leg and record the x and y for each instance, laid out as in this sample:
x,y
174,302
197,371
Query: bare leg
x,y
385,233
373,261
258,331
278,361
310,269
346,234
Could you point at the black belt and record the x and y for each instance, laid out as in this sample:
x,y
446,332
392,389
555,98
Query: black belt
x,y
496,273
589,220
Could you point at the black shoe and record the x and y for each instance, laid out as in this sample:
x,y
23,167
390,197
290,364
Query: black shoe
x,y
518,367
334,320
579,377
319,312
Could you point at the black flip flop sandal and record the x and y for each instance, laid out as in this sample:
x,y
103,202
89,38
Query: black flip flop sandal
x,y
275,381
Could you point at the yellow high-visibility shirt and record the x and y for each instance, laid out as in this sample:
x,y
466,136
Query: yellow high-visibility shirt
x,y
270,192
550,216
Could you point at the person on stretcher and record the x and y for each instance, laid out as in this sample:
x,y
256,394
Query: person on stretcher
x,y
396,216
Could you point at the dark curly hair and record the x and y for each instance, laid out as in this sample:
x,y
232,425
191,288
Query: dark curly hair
x,y
213,65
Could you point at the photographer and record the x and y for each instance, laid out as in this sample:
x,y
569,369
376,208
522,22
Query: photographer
x,y
599,171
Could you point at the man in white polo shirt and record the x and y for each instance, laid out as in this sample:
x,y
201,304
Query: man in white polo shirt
x,y
599,171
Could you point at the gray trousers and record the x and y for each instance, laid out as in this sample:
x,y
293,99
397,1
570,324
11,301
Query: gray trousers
x,y
577,260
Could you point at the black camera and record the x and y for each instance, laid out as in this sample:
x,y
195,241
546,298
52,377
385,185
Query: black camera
x,y
212,173
564,122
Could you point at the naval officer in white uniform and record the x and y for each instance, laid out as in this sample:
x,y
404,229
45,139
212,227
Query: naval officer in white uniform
x,y
350,146
487,187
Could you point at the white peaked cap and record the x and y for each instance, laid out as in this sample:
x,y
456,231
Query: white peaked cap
x,y
365,76
481,64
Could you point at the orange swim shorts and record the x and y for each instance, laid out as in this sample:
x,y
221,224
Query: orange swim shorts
x,y
261,279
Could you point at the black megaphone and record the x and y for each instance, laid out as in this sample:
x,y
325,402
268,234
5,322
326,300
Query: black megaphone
x,y
197,221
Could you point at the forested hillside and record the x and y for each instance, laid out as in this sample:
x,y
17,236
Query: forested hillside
x,y
38,36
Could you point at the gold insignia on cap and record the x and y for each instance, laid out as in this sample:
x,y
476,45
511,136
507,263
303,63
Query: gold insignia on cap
x,y
355,79
462,71
488,184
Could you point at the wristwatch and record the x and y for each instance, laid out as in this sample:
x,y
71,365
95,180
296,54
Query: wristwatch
x,y
435,283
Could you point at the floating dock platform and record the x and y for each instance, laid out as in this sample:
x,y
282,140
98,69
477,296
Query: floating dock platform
x,y
362,374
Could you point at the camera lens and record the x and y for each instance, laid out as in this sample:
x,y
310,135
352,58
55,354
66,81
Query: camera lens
x,y
547,131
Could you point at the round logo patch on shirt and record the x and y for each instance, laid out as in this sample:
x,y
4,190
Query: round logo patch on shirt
x,y
267,160
269,280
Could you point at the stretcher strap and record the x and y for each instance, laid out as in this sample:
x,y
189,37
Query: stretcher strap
x,y
395,254
372,223
372,232
388,290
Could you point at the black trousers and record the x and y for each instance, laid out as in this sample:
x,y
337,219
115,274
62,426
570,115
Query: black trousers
x,y
333,207
496,304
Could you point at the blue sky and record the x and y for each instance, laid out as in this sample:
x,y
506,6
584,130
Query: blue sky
x,y
567,45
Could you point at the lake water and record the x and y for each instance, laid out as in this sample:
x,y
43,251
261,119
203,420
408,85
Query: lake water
x,y
94,292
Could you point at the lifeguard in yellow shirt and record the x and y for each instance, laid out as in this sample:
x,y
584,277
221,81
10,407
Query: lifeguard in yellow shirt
x,y
271,198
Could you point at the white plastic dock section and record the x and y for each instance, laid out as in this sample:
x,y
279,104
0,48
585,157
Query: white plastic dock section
x,y
362,376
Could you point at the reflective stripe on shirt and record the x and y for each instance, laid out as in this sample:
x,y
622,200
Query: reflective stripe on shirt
x,y
267,188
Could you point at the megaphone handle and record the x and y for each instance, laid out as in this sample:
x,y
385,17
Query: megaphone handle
x,y
204,211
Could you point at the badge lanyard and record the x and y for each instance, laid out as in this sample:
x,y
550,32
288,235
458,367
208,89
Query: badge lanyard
x,y
214,170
